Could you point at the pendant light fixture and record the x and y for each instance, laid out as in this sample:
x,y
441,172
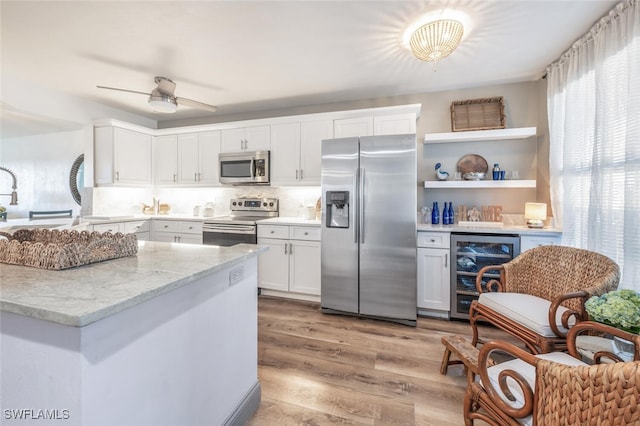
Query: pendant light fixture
x,y
436,40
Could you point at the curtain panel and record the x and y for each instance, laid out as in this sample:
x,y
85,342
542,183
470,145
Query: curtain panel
x,y
593,101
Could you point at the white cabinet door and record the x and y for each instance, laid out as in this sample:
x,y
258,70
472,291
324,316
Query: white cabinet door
x,y
433,279
166,160
353,127
209,149
285,154
312,133
132,152
530,241
188,158
399,124
232,140
273,265
257,138
304,267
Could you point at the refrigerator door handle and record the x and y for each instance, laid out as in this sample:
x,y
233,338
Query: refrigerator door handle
x,y
361,209
356,203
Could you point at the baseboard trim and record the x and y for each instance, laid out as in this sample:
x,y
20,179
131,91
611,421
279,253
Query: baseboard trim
x,y
246,408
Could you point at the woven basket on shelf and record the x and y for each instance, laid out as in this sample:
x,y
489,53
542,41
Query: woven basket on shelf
x,y
477,114
54,249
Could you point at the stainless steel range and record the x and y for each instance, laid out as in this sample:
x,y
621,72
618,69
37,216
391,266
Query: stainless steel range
x,y
240,227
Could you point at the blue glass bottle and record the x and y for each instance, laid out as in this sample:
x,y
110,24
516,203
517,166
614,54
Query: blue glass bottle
x,y
435,214
445,214
451,215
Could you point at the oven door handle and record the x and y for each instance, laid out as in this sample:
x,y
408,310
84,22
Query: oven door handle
x,y
245,230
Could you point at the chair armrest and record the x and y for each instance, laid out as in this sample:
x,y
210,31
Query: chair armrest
x,y
493,284
599,328
498,396
567,315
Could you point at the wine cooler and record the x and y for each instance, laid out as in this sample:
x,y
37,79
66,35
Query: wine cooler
x,y
469,254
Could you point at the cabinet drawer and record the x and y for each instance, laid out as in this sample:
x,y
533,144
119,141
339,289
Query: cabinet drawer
x,y
433,239
191,227
107,227
166,226
307,233
138,226
273,231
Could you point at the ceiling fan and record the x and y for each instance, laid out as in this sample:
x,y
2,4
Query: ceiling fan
x,y
162,98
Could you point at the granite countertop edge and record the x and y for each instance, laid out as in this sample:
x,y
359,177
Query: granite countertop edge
x,y
171,280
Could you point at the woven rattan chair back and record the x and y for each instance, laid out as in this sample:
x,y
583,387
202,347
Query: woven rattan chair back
x,y
597,394
551,271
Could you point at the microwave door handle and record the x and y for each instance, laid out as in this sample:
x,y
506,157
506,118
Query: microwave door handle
x,y
252,168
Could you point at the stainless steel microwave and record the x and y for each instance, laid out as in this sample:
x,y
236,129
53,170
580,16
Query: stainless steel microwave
x,y
244,168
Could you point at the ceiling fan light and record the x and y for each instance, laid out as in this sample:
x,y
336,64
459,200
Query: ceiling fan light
x,y
436,40
163,103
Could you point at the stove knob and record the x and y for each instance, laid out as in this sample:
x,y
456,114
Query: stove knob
x,y
264,204
234,203
271,204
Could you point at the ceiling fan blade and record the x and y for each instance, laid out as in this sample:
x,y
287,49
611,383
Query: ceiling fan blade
x,y
165,85
196,104
123,90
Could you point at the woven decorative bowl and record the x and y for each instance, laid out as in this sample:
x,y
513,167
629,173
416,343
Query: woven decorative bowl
x,y
54,249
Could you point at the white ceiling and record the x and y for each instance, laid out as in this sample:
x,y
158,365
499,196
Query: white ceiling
x,y
248,56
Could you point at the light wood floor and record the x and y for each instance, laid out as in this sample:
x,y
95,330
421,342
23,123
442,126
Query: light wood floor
x,y
318,369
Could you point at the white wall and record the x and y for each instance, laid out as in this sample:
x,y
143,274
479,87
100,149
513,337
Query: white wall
x,y
42,165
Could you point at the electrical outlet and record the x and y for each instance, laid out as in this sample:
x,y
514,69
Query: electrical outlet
x,y
236,275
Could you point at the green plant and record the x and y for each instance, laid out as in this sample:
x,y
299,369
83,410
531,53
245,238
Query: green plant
x,y
618,308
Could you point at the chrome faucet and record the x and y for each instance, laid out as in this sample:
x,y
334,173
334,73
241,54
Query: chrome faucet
x,y
14,194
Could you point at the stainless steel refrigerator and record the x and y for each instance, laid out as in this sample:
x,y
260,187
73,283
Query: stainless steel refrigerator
x,y
369,227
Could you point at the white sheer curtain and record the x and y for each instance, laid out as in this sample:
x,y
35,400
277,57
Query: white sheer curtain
x,y
593,101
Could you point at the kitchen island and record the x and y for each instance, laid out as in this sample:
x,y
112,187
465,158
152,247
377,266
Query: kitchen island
x,y
166,337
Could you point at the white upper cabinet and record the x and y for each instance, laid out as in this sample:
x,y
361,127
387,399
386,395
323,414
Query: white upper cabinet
x,y
397,124
353,127
312,133
187,159
165,153
257,138
122,157
375,125
208,149
295,151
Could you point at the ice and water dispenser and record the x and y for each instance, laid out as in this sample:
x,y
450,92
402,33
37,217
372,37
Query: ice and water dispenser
x,y
337,209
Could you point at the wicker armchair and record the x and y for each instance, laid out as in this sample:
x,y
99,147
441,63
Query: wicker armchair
x,y
556,388
541,293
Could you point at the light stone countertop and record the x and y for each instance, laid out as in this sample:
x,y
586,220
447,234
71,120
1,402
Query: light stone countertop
x,y
80,296
507,229
283,220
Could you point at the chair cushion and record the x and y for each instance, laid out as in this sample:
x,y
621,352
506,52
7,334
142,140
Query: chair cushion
x,y
528,372
530,311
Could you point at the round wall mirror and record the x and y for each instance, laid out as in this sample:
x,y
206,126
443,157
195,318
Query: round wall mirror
x,y
76,179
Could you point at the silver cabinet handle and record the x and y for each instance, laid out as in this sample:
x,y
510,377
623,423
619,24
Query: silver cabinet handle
x,y
433,240
285,248
166,226
306,233
296,174
290,248
301,175
446,260
195,177
174,178
199,177
273,232
117,176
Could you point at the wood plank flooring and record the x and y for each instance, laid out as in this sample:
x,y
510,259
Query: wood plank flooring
x,y
318,369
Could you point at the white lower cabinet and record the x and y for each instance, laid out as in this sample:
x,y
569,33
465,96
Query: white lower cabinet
x,y
175,231
434,292
531,241
292,263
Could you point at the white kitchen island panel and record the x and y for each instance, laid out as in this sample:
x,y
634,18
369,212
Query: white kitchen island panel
x,y
184,354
